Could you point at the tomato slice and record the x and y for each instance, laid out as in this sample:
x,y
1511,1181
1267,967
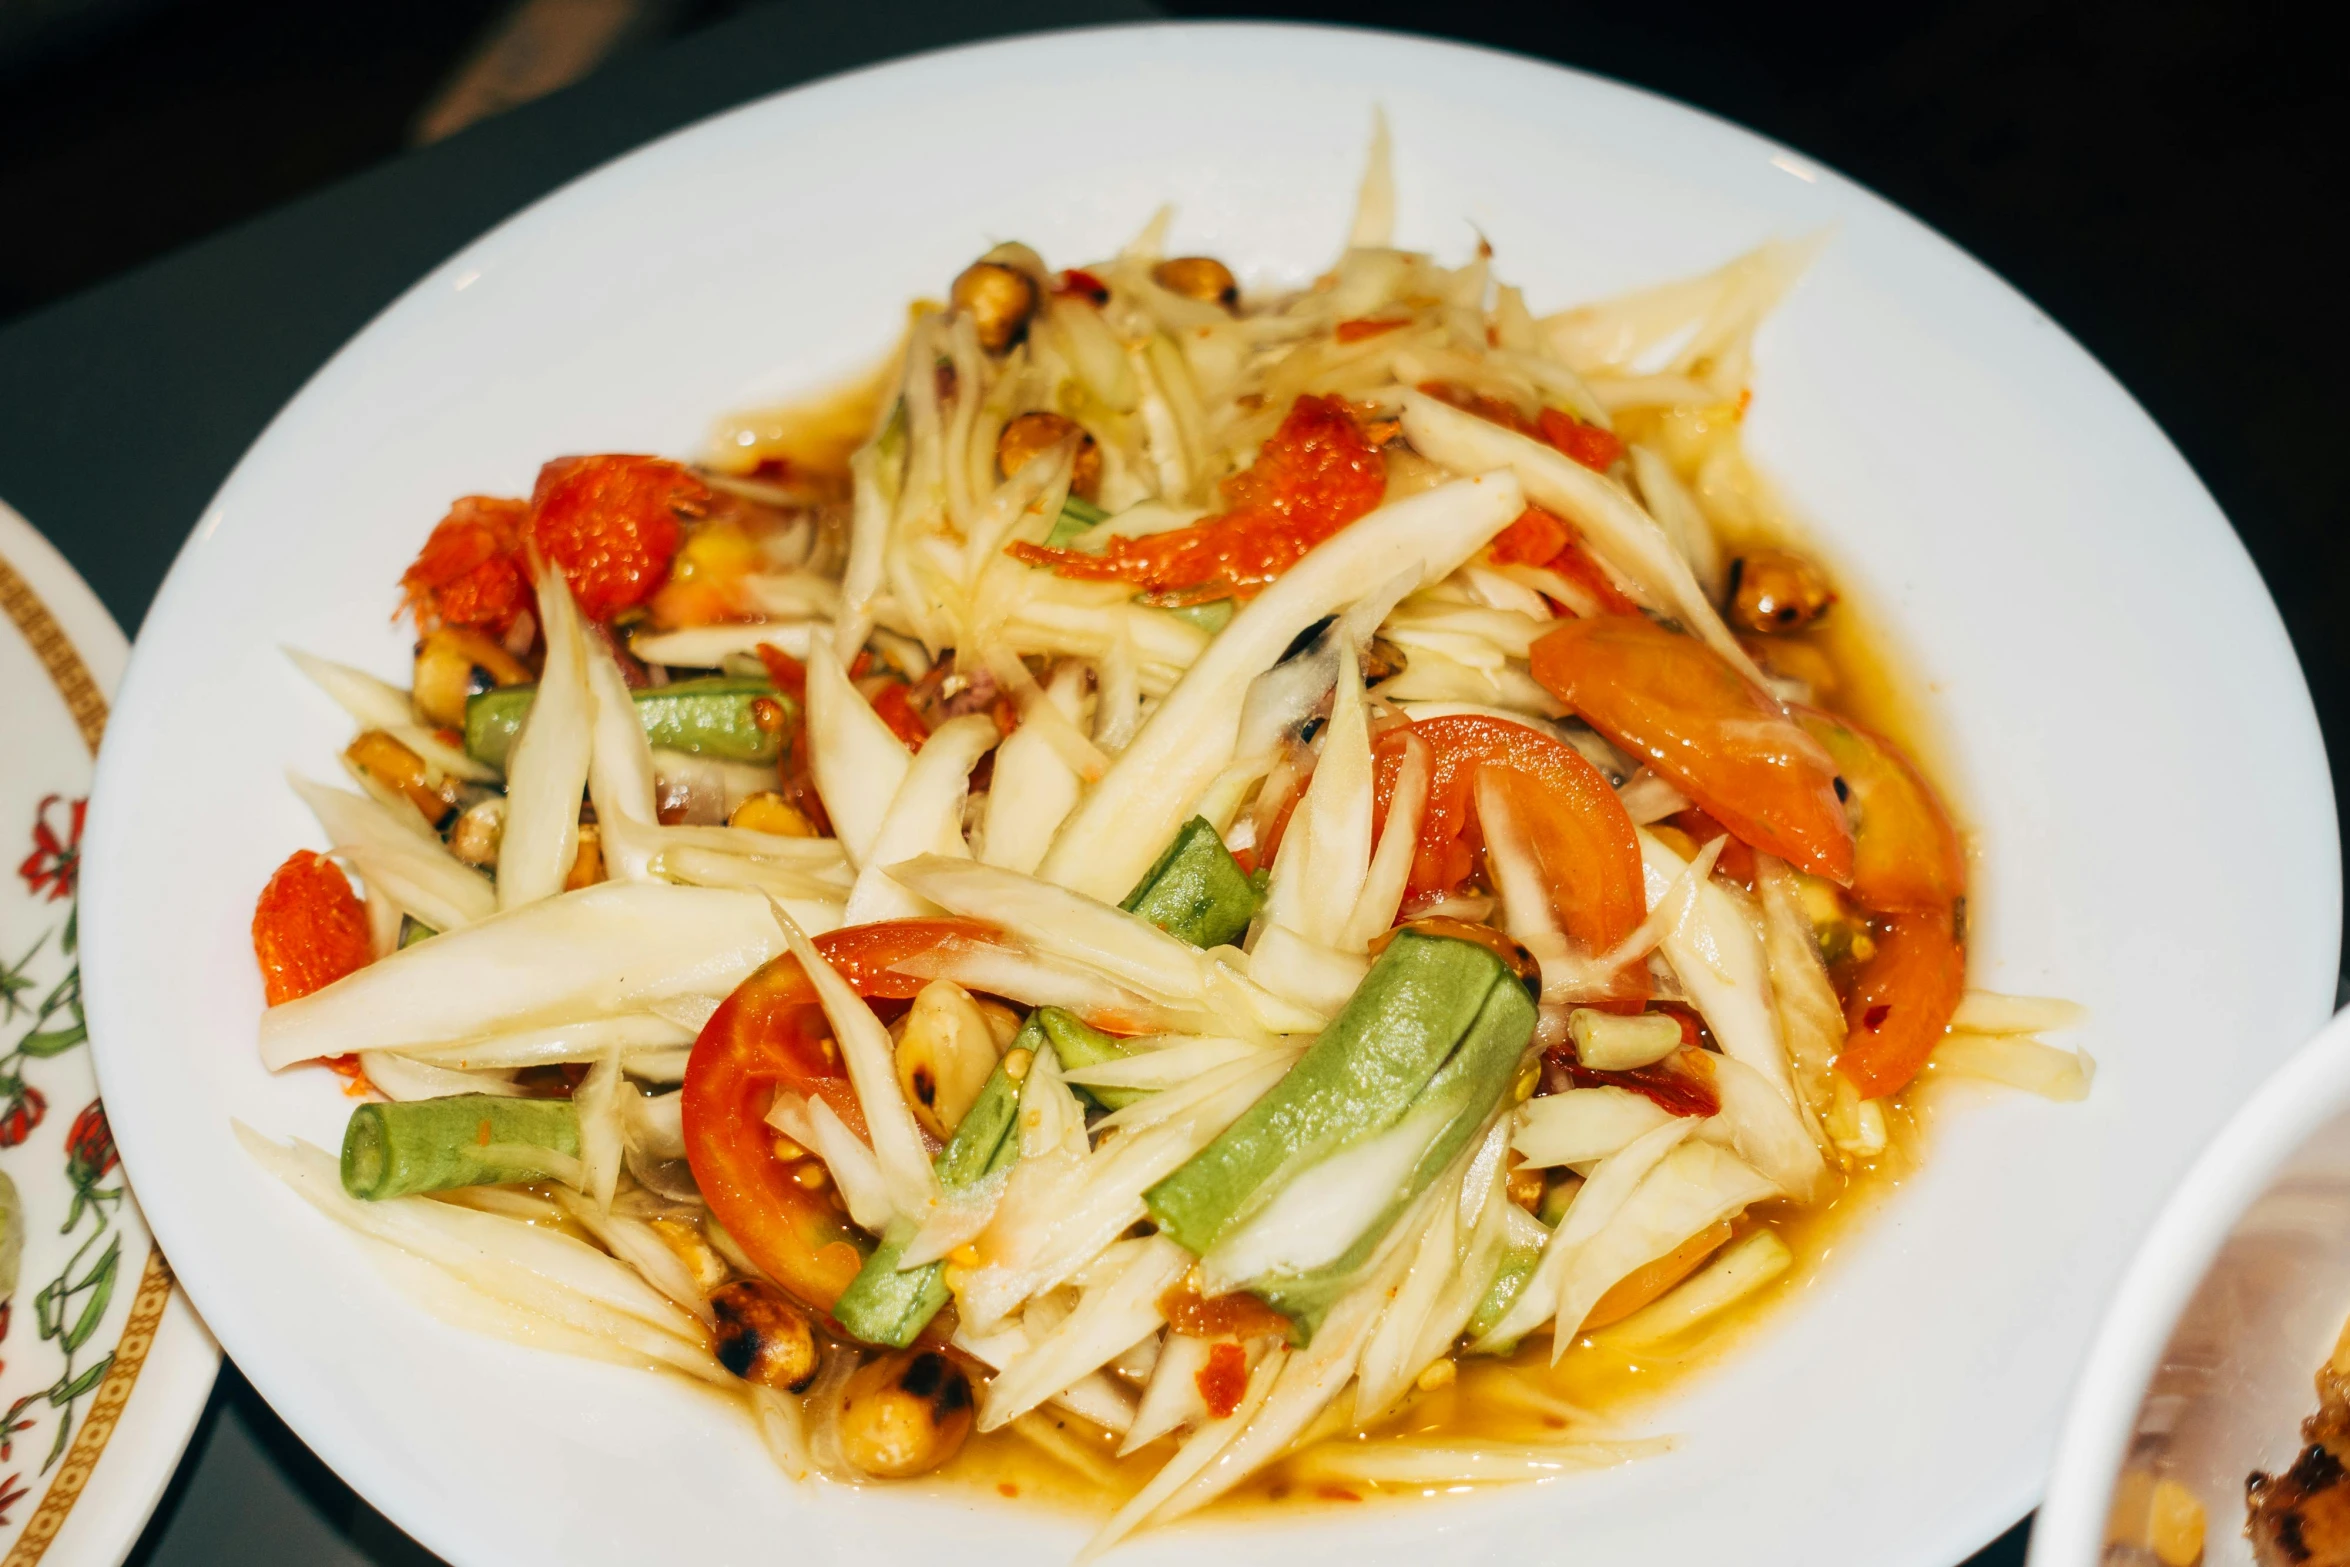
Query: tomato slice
x,y
610,524
1727,743
469,572
1902,1001
1314,475
770,1036
1905,853
1579,830
309,928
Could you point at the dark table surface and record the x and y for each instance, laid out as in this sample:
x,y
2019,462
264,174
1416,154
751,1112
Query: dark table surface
x,y
122,409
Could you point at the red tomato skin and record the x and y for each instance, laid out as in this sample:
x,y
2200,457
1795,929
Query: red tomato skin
x,y
896,709
309,928
610,525
1579,829
1588,444
469,572
768,1037
1533,540
1902,1001
1736,861
1675,703
1314,475
1906,854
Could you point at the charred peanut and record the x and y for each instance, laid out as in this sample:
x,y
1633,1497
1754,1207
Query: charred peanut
x,y
475,837
770,812
401,771
999,300
944,1056
1031,435
1777,590
454,663
1203,278
761,1336
905,1414
1526,1186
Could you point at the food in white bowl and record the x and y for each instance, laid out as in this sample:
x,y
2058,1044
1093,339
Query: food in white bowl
x,y
1218,895
1963,472
2208,1418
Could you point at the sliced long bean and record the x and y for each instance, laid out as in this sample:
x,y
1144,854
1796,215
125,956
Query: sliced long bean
x,y
1197,891
1458,1102
885,1304
1516,1266
1421,999
1078,1045
435,1145
733,720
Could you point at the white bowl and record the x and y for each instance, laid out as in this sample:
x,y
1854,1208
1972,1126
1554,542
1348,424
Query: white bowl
x,y
2128,732
2205,1366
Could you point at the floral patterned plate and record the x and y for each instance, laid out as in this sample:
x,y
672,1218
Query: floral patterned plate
x,y
103,1365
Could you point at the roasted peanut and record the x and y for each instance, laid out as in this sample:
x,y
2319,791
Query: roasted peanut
x,y
1777,590
944,1056
762,1337
475,837
999,300
398,770
905,1414
1031,435
1203,278
454,663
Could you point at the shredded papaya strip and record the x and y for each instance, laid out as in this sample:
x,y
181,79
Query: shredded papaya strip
x,y
1314,475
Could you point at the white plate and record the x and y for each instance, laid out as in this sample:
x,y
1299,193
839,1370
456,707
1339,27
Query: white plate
x,y
2205,1366
82,1462
2132,740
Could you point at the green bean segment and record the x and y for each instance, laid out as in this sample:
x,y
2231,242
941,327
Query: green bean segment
x,y
1457,1104
1078,517
888,1305
719,716
1077,1044
1516,1267
1197,892
436,1145
1421,999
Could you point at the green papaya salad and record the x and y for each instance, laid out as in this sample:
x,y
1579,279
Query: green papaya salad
x,y
1215,886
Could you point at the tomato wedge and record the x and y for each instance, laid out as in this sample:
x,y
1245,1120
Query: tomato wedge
x,y
771,1036
1727,743
1579,830
1905,853
1902,1001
